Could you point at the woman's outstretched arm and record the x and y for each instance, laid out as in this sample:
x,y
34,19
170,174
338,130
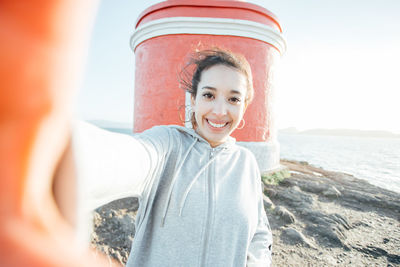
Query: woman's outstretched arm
x,y
109,165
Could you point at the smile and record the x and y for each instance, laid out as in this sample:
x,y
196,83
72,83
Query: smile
x,y
217,125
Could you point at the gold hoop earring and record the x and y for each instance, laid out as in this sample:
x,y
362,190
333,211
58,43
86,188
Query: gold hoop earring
x,y
180,113
193,120
244,123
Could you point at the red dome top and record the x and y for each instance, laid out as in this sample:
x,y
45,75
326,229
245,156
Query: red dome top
x,y
234,9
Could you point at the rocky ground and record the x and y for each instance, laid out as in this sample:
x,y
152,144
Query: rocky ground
x,y
318,218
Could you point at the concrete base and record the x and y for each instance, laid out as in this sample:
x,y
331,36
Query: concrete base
x,y
266,153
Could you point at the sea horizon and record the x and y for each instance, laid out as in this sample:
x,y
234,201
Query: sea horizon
x,y
125,126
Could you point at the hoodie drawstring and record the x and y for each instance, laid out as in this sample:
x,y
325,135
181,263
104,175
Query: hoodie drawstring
x,y
192,183
173,182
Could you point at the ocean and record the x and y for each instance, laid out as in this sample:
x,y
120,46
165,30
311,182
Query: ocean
x,y
374,159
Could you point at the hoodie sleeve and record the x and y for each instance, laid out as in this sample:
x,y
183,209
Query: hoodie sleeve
x,y
260,250
112,165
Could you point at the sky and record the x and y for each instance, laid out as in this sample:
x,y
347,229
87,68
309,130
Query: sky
x,y
341,68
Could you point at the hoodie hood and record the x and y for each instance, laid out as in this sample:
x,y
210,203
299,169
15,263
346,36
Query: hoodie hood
x,y
230,142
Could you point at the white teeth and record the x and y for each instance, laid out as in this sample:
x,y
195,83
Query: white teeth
x,y
216,125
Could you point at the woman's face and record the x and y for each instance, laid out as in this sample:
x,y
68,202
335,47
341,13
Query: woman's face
x,y
220,103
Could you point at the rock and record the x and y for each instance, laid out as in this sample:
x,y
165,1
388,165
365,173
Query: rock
x,y
331,192
284,214
114,228
379,252
326,237
357,198
293,237
312,186
328,229
293,197
268,203
269,192
288,183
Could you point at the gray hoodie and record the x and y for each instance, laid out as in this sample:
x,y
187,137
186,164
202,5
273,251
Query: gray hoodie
x,y
199,206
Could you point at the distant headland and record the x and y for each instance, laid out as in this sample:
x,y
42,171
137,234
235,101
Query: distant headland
x,y
340,132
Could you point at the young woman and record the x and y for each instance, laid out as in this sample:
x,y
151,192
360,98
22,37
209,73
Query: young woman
x,y
200,194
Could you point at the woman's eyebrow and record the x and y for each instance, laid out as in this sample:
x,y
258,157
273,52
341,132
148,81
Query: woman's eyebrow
x,y
236,92
215,89
209,88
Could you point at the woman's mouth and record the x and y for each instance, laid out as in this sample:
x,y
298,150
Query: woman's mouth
x,y
217,125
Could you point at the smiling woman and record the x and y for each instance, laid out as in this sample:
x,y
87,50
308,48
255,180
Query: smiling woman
x,y
190,181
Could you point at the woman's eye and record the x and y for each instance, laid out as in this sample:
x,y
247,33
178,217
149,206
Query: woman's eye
x,y
234,100
208,95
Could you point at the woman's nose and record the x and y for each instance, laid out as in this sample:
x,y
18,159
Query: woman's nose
x,y
220,108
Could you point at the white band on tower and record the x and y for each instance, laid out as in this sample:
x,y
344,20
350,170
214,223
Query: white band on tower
x,y
209,26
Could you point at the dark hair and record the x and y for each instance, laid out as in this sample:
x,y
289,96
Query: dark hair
x,y
205,59
200,61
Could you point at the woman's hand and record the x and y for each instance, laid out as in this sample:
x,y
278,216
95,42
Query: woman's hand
x,y
42,46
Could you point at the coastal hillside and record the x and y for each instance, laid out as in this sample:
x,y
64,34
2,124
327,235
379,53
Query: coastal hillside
x,y
324,218
318,218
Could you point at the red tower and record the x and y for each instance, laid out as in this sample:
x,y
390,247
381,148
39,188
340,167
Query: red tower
x,y
166,33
